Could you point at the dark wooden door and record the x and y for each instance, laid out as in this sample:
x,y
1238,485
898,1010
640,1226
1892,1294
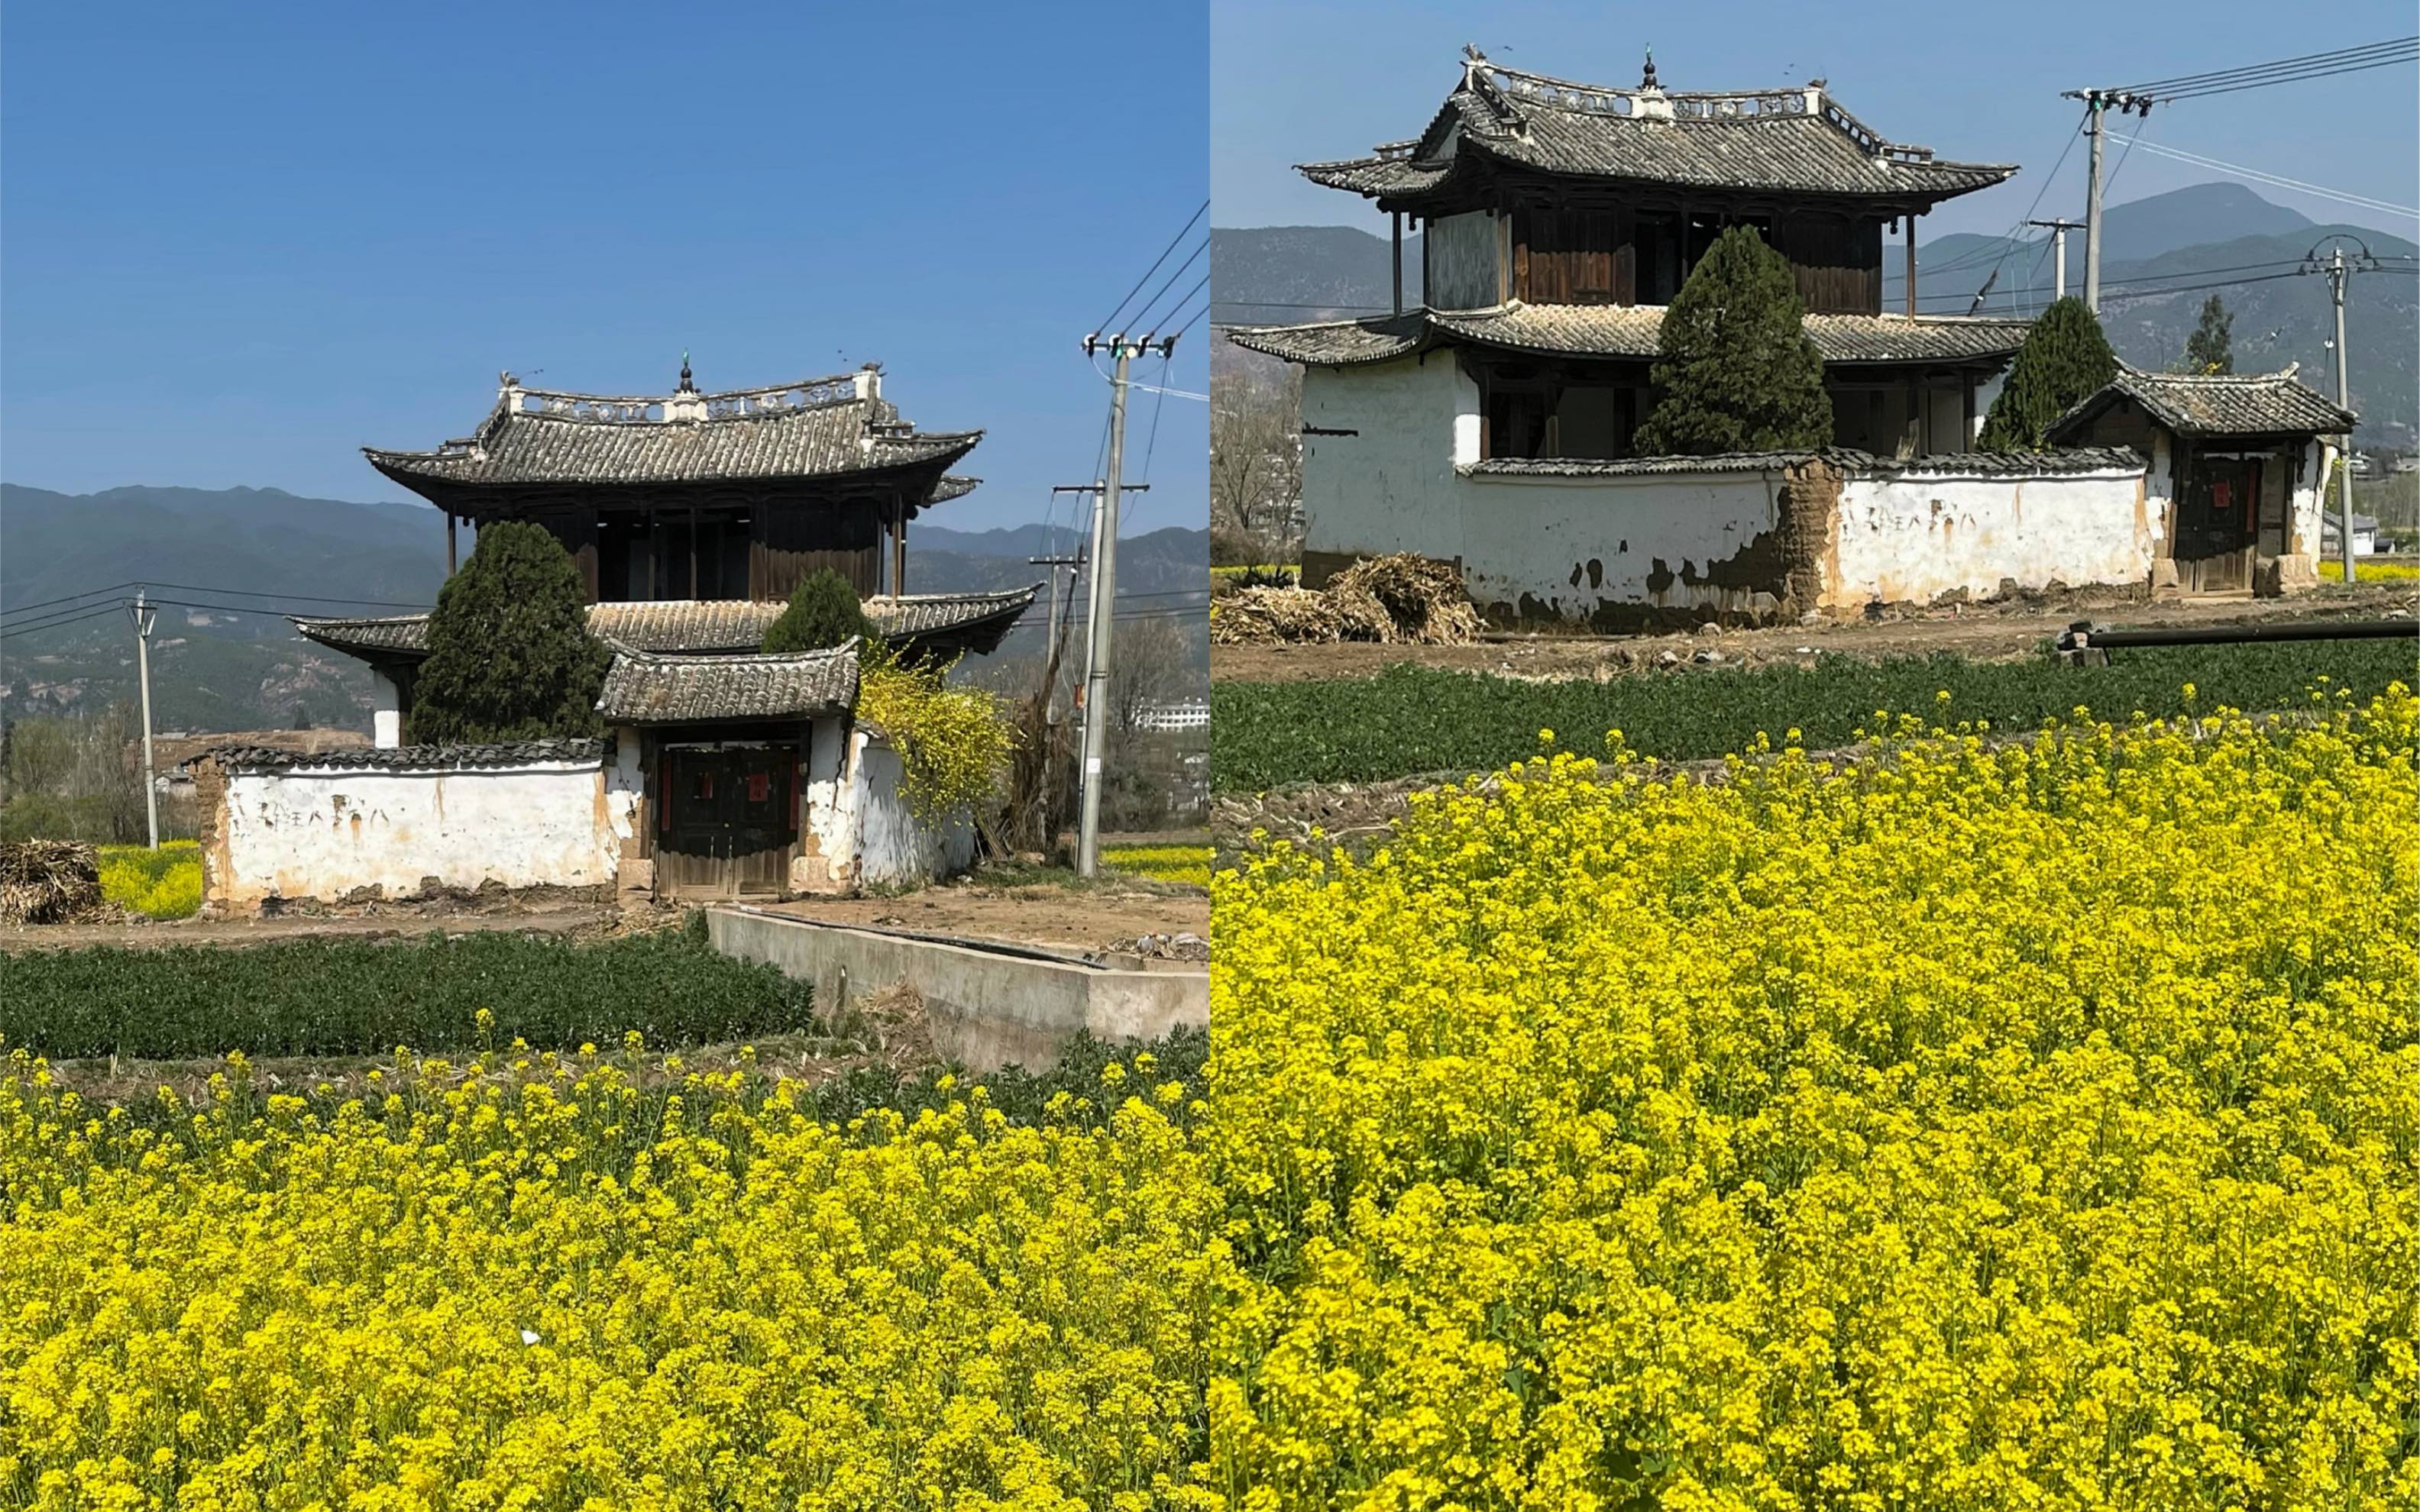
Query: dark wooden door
x,y
725,828
2217,523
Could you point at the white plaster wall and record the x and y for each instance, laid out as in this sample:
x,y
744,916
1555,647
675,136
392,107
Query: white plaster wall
x,y
893,848
2308,506
1914,538
1390,487
626,786
386,711
1563,548
828,842
325,833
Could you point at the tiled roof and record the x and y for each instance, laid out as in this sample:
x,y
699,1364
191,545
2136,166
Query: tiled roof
x,y
819,428
2257,404
403,758
1792,140
640,688
1624,331
401,637
951,485
923,615
684,624
1846,459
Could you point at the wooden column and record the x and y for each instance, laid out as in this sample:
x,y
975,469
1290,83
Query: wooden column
x,y
655,555
692,551
1398,262
449,544
1909,221
899,574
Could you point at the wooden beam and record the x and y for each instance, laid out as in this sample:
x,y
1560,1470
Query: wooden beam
x,y
1909,221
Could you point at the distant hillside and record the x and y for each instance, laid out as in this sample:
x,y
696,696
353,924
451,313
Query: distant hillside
x,y
2137,229
240,666
1286,275
2206,233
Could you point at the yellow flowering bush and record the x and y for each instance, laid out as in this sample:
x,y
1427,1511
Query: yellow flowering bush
x,y
1984,1124
953,742
1188,864
537,1285
161,883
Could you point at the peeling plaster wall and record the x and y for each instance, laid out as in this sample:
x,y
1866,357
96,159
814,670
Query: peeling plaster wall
x,y
893,848
1675,544
1914,539
329,833
826,860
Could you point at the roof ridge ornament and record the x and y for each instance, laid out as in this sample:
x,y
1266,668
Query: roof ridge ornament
x,y
1647,81
687,384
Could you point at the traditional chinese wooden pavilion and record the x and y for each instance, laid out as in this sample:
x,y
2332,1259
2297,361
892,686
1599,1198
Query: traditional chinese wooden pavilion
x,y
729,771
1559,219
735,495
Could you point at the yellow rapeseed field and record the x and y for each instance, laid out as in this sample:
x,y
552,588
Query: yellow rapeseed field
x,y
1982,1124
2026,1125
539,1287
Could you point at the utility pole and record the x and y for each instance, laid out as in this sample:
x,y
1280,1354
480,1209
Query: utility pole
x,y
1072,565
2337,270
144,615
2058,230
1105,581
2096,106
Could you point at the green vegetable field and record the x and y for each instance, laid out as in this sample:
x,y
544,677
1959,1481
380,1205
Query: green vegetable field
x,y
1409,720
313,997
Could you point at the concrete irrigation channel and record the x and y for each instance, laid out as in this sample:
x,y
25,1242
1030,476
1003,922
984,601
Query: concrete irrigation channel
x,y
990,1004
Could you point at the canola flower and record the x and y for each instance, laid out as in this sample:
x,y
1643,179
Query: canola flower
x,y
2024,1124
539,1287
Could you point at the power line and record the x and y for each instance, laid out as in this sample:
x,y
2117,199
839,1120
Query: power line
x,y
2307,59
2279,181
1173,242
89,613
89,592
1170,282
2283,71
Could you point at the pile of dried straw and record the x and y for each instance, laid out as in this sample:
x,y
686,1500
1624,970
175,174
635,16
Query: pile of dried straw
x,y
1400,598
47,880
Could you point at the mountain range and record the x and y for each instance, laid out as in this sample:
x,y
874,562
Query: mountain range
x,y
2158,253
227,565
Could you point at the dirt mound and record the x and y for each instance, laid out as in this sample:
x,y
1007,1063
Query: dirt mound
x,y
48,881
1396,600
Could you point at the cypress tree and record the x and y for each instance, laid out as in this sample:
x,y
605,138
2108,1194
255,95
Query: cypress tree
x,y
510,653
824,611
2209,351
1737,370
2065,361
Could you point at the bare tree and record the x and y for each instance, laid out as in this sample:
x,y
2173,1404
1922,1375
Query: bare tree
x,y
1255,464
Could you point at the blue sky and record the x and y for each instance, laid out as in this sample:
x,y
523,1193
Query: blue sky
x,y
242,242
1294,83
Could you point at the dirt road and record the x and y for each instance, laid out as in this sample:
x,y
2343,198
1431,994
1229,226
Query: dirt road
x,y
1983,632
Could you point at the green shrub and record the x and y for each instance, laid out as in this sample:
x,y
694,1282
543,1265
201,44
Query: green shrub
x,y
1408,720
823,613
317,996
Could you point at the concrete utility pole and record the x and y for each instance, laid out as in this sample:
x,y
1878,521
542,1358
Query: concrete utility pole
x,y
2337,270
2058,230
1073,565
1105,581
2096,106
144,615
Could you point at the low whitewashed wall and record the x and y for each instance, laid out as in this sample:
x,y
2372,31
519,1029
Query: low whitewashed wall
x,y
328,832
894,848
1531,547
1915,536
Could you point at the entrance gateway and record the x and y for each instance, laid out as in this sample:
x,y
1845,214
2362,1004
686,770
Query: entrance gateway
x,y
728,820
